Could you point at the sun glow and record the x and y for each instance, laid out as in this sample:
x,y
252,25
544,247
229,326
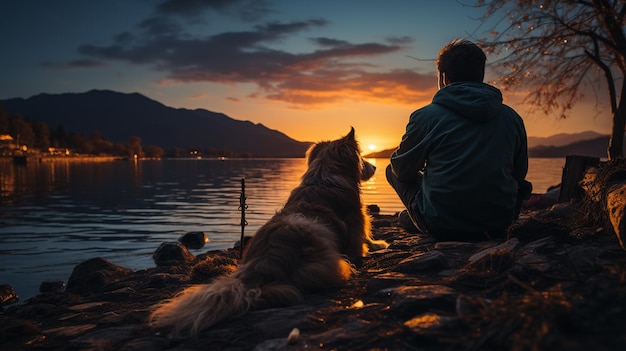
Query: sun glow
x,y
371,147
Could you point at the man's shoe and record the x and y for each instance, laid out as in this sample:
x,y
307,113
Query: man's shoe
x,y
406,222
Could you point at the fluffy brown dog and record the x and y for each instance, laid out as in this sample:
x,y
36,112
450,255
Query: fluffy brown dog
x,y
311,244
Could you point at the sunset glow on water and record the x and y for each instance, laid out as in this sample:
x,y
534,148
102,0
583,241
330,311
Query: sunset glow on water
x,y
55,215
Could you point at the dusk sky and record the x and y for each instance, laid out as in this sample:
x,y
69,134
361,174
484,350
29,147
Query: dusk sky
x,y
310,69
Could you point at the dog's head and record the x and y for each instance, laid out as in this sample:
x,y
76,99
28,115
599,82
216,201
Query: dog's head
x,y
338,162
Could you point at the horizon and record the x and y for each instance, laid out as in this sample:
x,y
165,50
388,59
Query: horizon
x,y
308,70
366,148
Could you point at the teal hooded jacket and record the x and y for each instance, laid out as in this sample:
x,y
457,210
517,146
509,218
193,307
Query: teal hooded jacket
x,y
470,151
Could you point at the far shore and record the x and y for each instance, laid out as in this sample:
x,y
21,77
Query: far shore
x,y
49,158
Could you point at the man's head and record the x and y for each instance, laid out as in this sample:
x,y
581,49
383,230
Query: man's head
x,y
460,61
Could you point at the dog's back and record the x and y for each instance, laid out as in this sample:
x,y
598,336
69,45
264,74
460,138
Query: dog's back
x,y
311,244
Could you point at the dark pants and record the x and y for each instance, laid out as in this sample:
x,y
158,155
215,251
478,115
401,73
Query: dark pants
x,y
407,191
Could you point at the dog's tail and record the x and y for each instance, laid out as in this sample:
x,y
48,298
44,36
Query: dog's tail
x,y
201,306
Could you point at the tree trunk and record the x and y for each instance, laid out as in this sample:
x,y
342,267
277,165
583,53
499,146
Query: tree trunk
x,y
573,173
616,144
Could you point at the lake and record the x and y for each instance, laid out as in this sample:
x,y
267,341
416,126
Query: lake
x,y
55,215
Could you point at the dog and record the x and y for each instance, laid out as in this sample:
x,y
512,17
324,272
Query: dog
x,y
312,243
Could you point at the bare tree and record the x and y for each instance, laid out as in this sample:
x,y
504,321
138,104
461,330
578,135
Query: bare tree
x,y
558,49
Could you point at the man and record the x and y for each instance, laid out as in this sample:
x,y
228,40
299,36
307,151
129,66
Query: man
x,y
461,164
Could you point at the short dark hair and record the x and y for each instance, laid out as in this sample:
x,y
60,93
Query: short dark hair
x,y
462,61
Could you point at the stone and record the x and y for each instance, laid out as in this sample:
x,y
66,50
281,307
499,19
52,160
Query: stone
x,y
431,325
172,253
535,302
104,339
430,260
237,244
194,240
507,246
8,296
454,245
17,328
372,209
412,300
383,281
71,331
95,274
52,287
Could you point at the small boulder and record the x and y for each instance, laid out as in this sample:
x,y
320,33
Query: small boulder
x,y
8,296
373,209
237,244
194,240
51,287
429,260
95,274
172,253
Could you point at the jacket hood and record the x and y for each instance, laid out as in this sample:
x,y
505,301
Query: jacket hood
x,y
475,101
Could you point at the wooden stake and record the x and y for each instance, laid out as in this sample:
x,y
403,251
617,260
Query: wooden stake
x,y
242,207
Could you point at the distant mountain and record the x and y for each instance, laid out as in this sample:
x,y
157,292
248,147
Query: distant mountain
x,y
381,154
562,139
594,147
118,116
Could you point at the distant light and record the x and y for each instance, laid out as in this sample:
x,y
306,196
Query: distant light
x,y
372,147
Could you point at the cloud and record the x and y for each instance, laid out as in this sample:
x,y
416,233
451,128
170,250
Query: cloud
x,y
247,10
333,70
76,64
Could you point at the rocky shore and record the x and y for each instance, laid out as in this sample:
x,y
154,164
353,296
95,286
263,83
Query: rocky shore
x,y
556,283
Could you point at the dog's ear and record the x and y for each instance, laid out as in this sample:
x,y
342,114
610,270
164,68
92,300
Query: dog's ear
x,y
350,135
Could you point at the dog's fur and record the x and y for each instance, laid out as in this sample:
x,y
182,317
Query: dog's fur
x,y
311,244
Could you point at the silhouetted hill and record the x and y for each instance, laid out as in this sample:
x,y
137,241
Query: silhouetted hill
x,y
381,154
562,139
118,116
595,147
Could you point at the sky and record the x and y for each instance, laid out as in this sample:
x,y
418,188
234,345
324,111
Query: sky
x,y
310,69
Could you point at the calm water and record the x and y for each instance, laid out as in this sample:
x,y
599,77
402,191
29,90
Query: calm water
x,y
54,215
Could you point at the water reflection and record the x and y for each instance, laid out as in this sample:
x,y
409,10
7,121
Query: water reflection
x,y
54,215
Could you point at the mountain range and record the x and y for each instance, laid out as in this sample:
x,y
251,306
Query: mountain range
x,y
586,143
119,116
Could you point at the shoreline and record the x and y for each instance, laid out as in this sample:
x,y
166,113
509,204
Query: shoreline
x,y
552,285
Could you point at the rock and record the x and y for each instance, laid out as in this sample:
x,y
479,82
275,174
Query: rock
x,y
95,274
431,325
507,246
353,326
379,283
245,242
8,296
454,245
412,300
372,209
429,260
52,287
552,290
14,329
172,253
104,339
194,240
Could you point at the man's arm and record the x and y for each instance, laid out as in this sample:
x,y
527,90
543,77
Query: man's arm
x,y
520,169
409,158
